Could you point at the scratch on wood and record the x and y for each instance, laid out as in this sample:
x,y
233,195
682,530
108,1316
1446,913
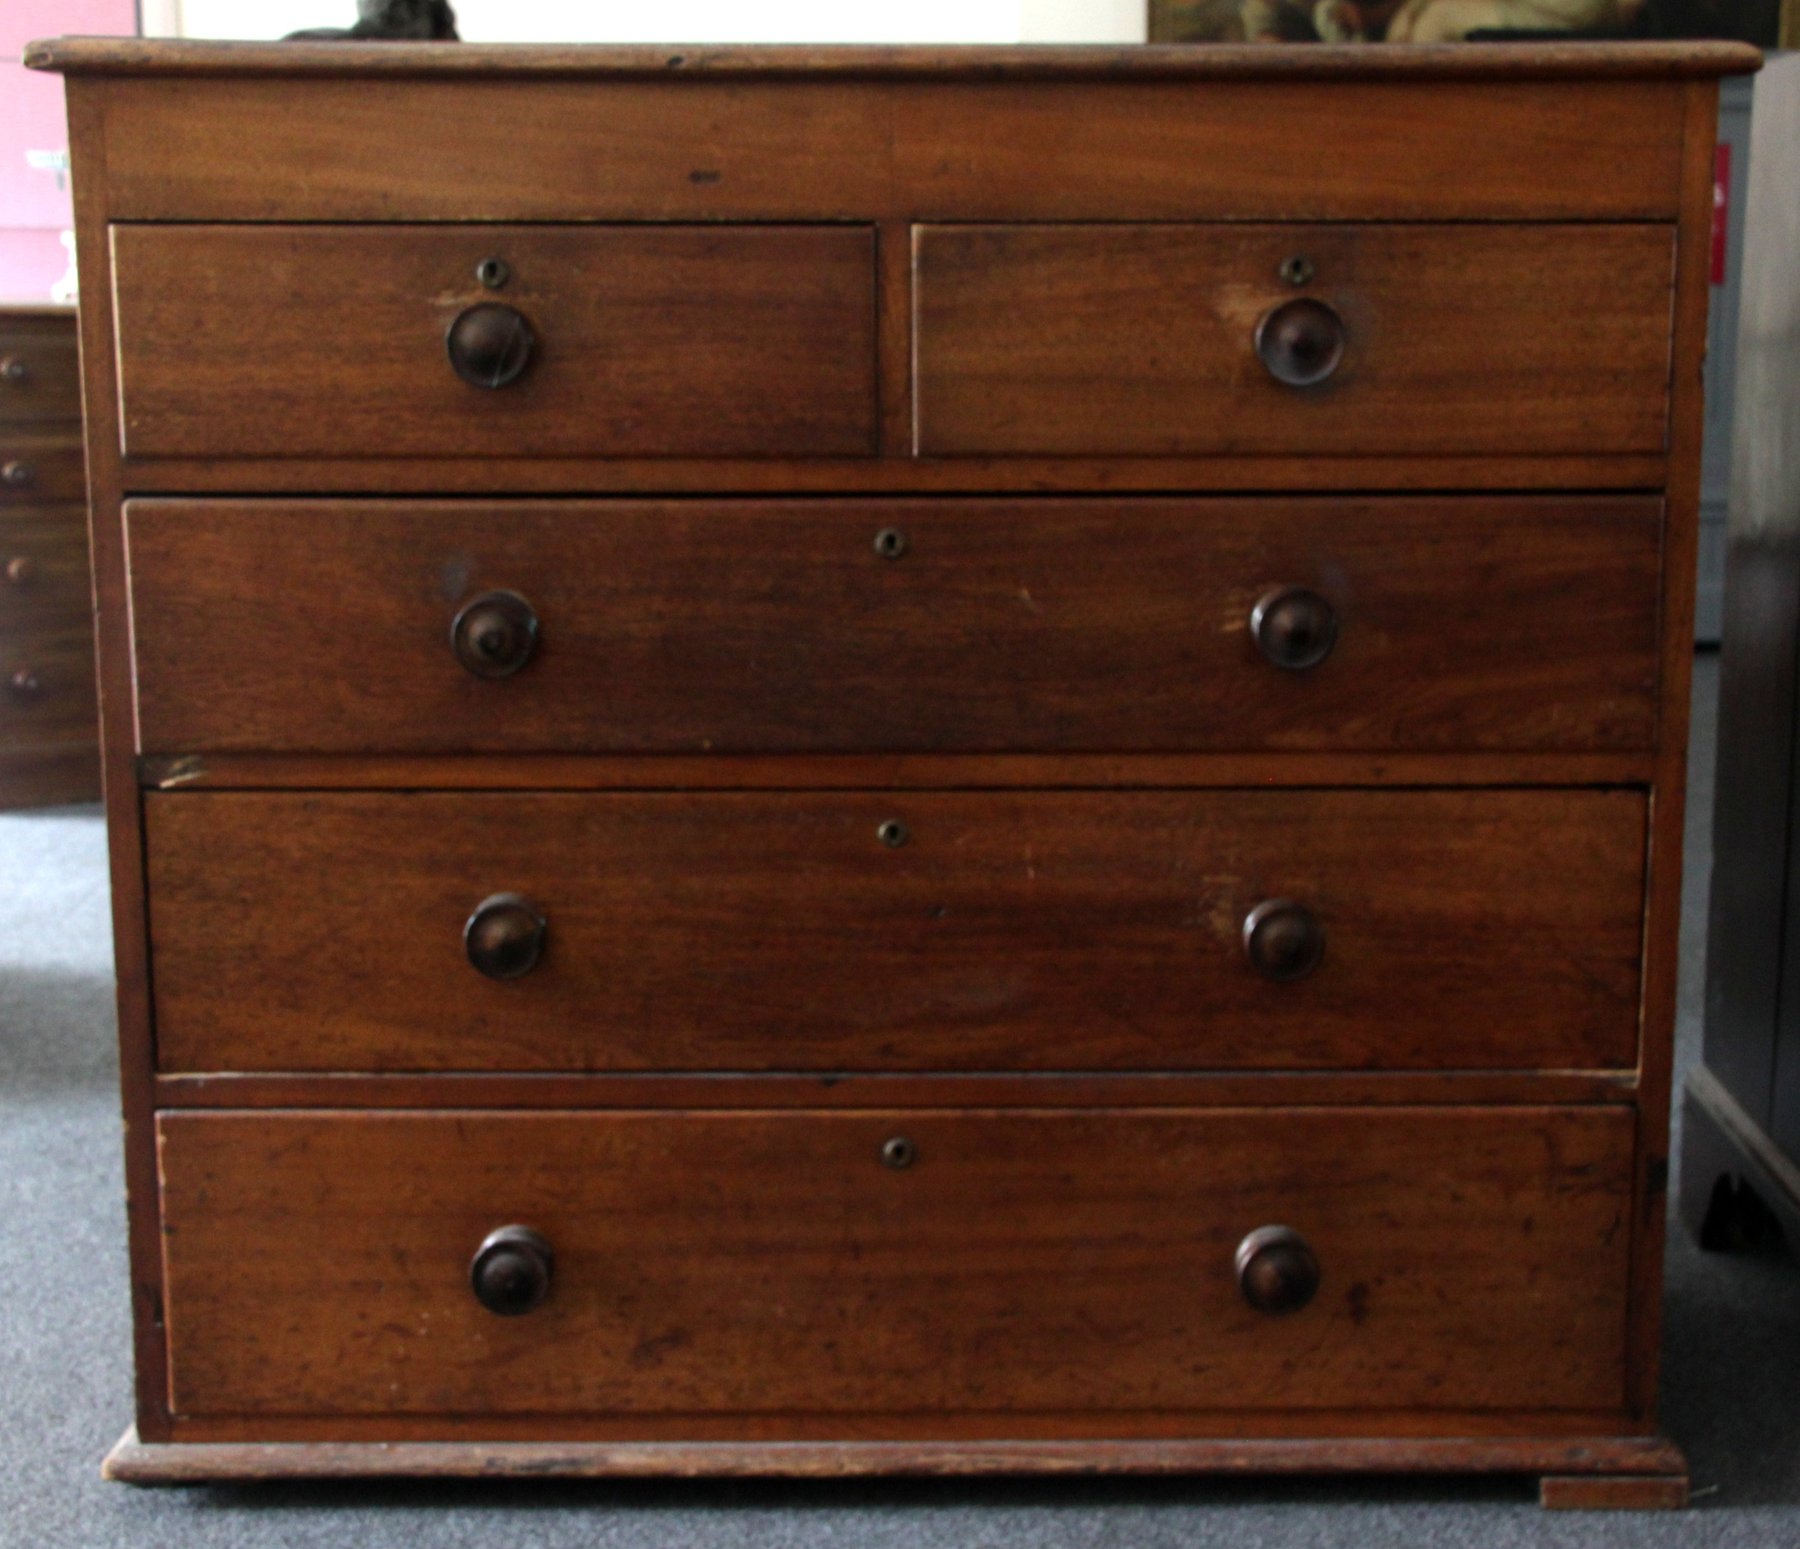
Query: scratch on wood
x,y
184,771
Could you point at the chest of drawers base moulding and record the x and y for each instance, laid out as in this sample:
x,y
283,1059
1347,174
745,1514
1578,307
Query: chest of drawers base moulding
x,y
807,632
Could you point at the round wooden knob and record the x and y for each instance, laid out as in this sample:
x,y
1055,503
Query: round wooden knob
x,y
1276,1270
15,473
14,370
504,937
1301,342
1283,940
490,344
1293,627
494,634
25,684
510,1273
21,570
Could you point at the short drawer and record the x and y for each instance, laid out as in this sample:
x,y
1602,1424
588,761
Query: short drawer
x,y
44,582
896,931
40,372
1055,625
47,694
483,341
924,1269
1341,339
40,469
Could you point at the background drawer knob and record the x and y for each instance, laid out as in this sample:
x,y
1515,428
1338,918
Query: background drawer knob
x,y
1276,1270
1293,627
495,634
1301,342
504,937
510,1273
16,474
1283,939
25,684
14,371
21,570
490,345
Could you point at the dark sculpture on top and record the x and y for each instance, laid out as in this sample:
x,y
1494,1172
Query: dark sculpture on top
x,y
411,20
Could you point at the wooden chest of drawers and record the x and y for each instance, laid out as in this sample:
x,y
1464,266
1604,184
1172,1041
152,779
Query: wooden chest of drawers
x,y
897,762
49,723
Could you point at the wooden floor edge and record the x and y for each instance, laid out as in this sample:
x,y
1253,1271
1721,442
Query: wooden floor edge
x,y
1566,1463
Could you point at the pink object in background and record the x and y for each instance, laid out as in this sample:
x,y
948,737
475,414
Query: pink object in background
x,y
34,202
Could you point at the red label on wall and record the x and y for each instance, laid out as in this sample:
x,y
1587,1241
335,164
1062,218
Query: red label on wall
x,y
1721,209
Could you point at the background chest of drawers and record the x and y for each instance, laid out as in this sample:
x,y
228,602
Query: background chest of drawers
x,y
49,723
896,761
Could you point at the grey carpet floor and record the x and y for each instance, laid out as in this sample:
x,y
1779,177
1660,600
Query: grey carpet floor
x,y
1731,1390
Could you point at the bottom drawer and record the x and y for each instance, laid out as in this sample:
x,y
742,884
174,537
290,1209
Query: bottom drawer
x,y
952,1265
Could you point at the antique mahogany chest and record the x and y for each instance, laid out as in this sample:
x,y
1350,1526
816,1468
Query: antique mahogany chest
x,y
894,761
49,740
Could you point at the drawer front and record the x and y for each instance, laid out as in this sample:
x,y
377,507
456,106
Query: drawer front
x,y
1025,1265
905,931
40,469
345,342
44,570
854,626
47,695
1121,340
40,372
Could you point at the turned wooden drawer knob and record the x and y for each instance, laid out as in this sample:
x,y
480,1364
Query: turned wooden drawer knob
x,y
1301,342
510,1273
25,684
15,473
490,344
14,371
21,570
504,937
1294,627
1283,939
494,634
1276,1270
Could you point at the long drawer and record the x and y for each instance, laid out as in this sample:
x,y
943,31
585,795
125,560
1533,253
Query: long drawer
x,y
907,931
1347,339
894,625
918,1265
488,341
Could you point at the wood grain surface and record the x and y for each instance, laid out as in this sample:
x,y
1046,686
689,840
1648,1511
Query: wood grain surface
x,y
663,148
1009,932
50,458
59,711
41,346
1585,61
1121,340
764,1265
712,626
134,1461
43,573
650,341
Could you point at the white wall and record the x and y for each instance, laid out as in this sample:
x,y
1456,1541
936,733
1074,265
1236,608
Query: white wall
x,y
693,21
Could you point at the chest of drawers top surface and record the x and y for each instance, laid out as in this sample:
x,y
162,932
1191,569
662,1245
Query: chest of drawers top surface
x,y
896,751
